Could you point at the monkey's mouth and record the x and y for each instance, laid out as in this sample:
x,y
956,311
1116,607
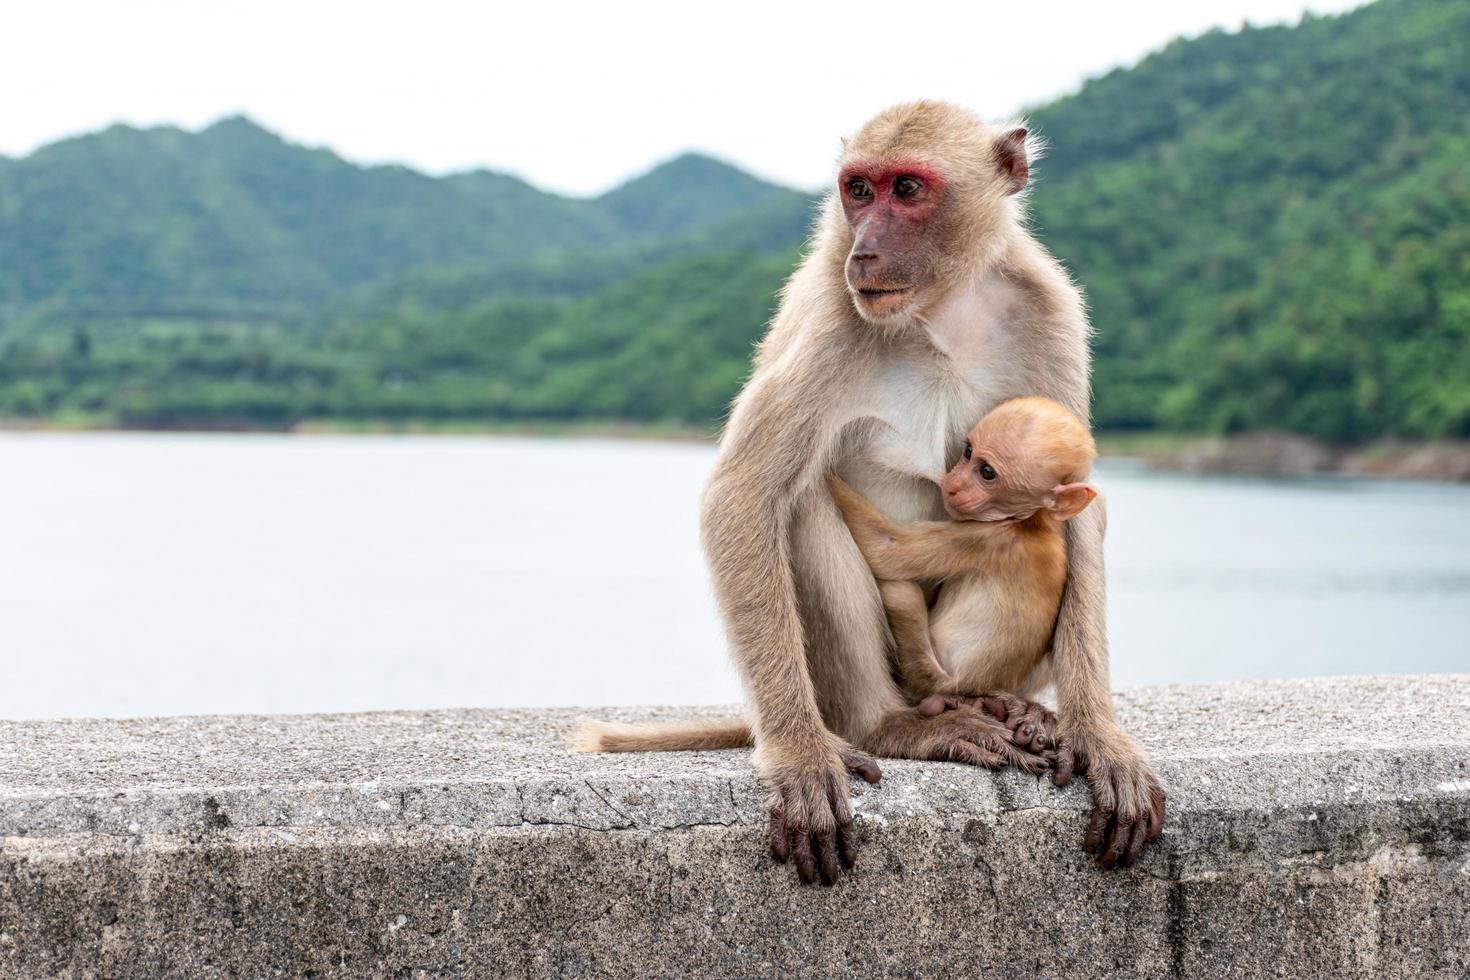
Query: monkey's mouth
x,y
881,304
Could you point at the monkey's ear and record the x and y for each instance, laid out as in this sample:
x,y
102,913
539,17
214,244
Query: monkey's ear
x,y
1067,500
1014,167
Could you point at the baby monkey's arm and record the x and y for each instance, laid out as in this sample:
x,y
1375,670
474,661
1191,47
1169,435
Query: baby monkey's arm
x,y
914,550
898,554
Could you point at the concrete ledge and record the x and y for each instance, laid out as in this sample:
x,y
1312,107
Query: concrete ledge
x,y
1317,828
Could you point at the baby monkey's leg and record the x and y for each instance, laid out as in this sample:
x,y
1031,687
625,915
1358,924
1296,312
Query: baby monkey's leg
x,y
908,618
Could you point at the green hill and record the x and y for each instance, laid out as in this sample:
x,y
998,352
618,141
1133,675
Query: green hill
x,y
235,221
1273,227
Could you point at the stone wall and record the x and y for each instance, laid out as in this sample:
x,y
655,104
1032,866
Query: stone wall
x,y
1316,828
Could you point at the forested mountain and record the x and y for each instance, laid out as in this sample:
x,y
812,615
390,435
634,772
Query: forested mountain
x,y
1273,227
235,220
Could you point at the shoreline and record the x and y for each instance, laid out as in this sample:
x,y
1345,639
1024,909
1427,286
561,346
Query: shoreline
x,y
1255,454
571,429
1275,454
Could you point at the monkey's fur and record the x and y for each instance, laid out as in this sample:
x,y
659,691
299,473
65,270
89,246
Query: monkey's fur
x,y
1018,479
1007,499
911,316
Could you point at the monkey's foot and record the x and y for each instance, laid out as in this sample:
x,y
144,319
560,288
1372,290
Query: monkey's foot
x,y
1031,725
964,734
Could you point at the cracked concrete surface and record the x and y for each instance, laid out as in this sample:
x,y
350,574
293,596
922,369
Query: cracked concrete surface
x,y
1317,828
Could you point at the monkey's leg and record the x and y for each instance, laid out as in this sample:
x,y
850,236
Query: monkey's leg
x,y
908,618
965,734
842,618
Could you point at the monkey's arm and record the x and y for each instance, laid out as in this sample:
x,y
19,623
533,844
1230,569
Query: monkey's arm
x,y
923,550
908,618
1128,802
781,437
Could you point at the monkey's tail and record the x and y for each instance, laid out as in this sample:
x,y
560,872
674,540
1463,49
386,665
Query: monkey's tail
x,y
676,736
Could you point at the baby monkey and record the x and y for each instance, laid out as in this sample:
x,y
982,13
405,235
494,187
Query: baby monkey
x,y
1021,474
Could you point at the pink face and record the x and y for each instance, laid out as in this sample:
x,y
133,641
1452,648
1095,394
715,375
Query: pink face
x,y
890,206
997,479
979,488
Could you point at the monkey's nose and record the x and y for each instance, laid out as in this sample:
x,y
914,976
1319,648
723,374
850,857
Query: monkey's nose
x,y
865,256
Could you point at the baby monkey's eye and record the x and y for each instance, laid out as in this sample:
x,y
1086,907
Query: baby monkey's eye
x,y
968,450
987,472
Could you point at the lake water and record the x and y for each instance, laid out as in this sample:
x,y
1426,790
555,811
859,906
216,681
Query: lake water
x,y
170,574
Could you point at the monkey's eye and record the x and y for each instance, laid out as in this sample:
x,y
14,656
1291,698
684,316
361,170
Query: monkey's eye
x,y
987,472
859,189
906,186
968,450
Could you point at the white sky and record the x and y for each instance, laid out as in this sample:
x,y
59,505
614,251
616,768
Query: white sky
x,y
573,97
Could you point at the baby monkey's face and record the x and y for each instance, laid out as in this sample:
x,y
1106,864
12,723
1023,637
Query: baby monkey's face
x,y
1023,457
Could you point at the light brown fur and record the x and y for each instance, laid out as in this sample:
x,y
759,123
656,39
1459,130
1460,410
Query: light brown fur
x,y
602,736
1038,448
882,392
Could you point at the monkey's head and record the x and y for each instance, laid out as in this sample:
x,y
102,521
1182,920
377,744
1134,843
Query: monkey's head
x,y
1025,455
924,188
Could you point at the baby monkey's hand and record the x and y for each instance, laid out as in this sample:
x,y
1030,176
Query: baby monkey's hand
x,y
1032,725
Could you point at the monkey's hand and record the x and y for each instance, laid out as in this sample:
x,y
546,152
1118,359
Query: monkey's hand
x,y
857,510
873,533
811,816
1127,800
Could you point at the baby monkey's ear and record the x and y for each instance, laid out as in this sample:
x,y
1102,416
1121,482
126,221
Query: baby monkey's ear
x,y
1067,500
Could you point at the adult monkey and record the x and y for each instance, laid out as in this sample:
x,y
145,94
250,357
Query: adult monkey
x,y
922,303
